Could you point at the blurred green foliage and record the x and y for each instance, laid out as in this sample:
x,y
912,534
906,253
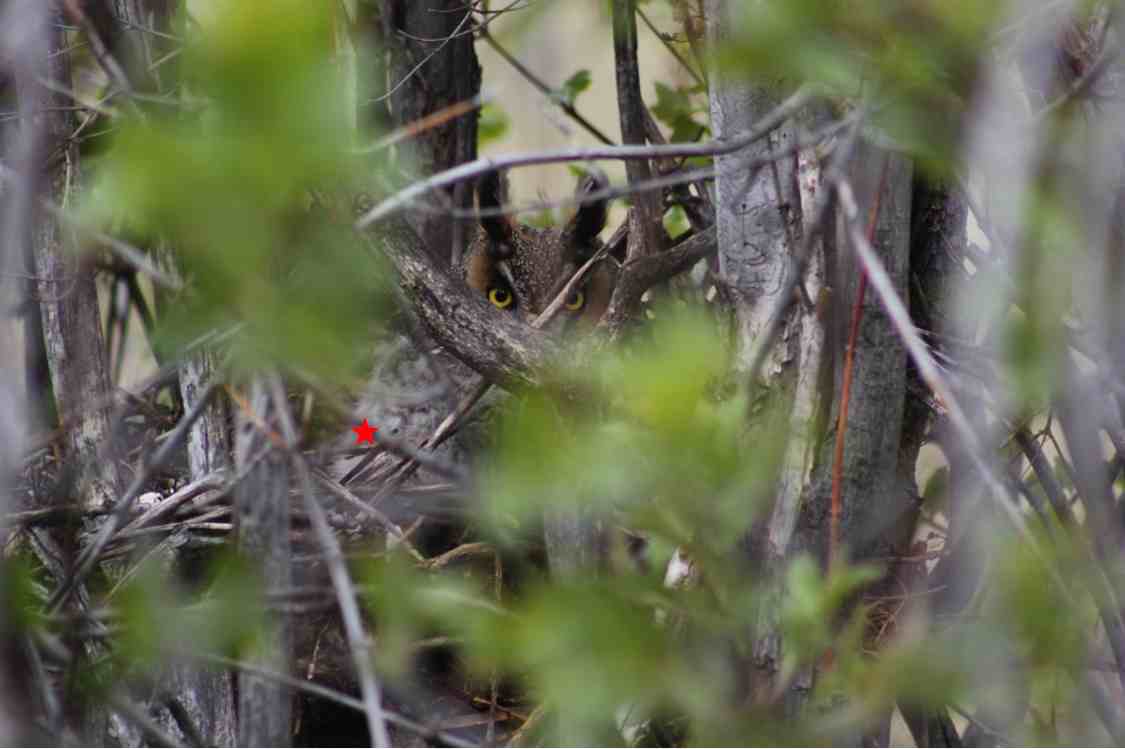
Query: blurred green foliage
x,y
680,109
573,86
158,622
917,60
492,125
250,182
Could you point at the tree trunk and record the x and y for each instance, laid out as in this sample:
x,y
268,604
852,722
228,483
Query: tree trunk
x,y
873,500
761,219
433,65
206,694
68,295
262,512
755,223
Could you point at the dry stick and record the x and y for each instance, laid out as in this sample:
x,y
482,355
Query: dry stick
x,y
358,641
546,90
475,168
672,179
430,121
388,525
1042,468
443,468
184,720
209,483
836,502
102,54
319,690
671,50
89,556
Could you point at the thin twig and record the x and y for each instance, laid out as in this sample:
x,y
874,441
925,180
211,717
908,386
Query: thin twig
x,y
102,54
351,499
319,690
836,504
468,15
89,556
546,90
358,641
430,121
473,169
671,49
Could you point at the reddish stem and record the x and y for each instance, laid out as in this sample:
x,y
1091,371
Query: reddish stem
x,y
834,508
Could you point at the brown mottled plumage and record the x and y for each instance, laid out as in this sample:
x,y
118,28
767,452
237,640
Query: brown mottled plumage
x,y
531,265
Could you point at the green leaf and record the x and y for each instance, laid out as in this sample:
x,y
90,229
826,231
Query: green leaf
x,y
573,86
492,125
676,108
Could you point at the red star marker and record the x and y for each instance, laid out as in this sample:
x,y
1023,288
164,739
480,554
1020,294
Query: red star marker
x,y
365,433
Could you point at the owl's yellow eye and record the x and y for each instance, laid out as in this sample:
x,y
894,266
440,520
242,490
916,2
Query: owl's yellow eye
x,y
500,297
576,301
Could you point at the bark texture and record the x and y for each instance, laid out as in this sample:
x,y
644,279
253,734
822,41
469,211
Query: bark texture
x,y
68,295
262,511
433,65
759,218
869,499
755,223
873,501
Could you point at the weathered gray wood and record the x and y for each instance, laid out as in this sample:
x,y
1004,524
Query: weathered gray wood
x,y
755,224
68,296
498,346
760,219
262,508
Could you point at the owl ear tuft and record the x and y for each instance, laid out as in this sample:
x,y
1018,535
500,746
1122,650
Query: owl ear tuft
x,y
590,218
492,193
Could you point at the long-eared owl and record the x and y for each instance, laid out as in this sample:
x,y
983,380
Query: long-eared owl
x,y
518,269
521,269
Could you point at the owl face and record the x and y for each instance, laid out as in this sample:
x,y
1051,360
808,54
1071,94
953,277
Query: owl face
x,y
520,269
